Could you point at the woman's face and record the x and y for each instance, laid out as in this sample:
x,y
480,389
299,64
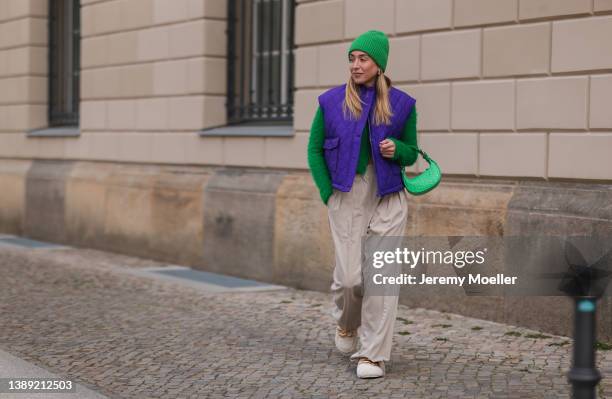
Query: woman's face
x,y
363,69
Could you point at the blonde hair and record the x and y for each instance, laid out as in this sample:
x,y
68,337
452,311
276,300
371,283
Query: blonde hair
x,y
382,108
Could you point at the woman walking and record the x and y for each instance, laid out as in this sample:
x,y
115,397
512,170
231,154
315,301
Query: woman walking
x,y
360,138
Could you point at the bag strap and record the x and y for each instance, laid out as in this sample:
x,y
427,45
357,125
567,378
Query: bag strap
x,y
423,153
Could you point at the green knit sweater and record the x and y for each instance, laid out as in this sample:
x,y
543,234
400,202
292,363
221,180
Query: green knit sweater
x,y
404,155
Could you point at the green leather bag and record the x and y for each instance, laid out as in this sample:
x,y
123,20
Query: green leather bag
x,y
426,181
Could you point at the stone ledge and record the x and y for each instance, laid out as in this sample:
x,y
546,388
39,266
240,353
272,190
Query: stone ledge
x,y
249,130
63,131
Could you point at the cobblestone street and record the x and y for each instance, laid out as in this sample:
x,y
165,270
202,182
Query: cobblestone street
x,y
76,313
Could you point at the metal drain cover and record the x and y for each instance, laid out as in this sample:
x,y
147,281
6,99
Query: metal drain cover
x,y
211,278
210,281
28,243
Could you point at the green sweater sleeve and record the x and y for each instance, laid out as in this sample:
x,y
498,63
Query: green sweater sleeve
x,y
316,160
404,155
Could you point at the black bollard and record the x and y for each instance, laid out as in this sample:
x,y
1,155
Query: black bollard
x,y
583,375
585,281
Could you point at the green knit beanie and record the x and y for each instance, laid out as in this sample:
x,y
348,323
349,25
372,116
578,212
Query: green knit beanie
x,y
376,44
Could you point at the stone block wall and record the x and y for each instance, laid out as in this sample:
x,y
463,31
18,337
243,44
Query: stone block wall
x,y
504,88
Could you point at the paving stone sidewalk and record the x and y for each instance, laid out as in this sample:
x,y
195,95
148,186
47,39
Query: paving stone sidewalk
x,y
71,312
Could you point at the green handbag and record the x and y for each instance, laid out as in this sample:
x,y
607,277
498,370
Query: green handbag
x,y
426,181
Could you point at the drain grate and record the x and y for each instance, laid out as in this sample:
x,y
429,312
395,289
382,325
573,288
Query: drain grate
x,y
27,243
208,280
211,278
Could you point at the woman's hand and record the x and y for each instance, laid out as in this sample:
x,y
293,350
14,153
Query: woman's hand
x,y
387,148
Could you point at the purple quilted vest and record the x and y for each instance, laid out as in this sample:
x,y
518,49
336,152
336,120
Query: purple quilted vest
x,y
343,137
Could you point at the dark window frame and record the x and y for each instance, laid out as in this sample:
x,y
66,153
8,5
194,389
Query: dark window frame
x,y
260,82
64,63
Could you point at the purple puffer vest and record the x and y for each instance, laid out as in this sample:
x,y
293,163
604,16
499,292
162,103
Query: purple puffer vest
x,y
343,137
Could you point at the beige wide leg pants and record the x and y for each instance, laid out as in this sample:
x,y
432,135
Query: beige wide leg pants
x,y
353,215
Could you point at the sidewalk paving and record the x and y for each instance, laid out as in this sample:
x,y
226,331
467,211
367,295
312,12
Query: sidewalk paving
x,y
101,319
15,367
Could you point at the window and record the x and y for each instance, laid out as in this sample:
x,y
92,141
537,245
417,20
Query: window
x,y
64,63
260,61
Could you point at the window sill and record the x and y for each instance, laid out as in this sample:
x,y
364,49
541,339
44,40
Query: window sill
x,y
249,131
60,131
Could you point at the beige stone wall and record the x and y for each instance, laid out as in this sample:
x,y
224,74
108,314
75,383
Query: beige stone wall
x,y
23,69
518,88
503,87
152,74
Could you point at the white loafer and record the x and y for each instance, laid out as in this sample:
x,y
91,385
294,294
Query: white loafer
x,y
346,341
369,369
